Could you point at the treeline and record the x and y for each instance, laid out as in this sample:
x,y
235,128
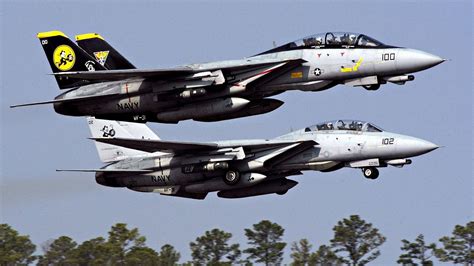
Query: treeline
x,y
355,242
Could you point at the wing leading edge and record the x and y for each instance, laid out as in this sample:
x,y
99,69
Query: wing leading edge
x,y
180,147
111,75
157,145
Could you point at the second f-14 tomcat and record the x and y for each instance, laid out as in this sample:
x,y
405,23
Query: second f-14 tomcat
x,y
137,159
102,83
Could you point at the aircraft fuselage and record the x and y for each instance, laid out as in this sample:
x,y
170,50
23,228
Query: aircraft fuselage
x,y
147,100
334,150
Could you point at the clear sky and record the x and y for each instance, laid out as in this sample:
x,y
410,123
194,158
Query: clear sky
x,y
430,196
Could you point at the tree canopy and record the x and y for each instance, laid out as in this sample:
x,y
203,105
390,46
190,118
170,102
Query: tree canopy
x,y
459,247
324,256
301,252
266,245
417,252
59,252
355,241
213,247
168,255
15,249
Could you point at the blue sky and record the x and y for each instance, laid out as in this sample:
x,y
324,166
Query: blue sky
x,y
430,196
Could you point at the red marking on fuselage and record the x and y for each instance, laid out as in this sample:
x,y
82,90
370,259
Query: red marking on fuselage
x,y
259,74
126,89
342,54
265,72
319,55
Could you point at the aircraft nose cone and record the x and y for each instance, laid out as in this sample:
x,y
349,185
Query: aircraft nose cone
x,y
425,146
414,147
414,60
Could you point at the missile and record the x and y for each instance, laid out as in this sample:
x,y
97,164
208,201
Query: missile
x,y
279,186
203,110
253,108
399,79
398,162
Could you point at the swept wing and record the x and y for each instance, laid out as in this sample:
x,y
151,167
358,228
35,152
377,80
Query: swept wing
x,y
194,147
166,74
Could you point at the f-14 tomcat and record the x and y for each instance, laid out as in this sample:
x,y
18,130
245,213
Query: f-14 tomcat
x,y
137,159
98,81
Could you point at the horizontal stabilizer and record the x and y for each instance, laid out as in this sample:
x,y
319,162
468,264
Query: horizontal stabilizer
x,y
36,103
157,145
94,97
125,171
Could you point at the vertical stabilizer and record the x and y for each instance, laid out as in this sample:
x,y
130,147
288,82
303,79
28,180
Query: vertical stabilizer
x,y
101,128
96,46
64,55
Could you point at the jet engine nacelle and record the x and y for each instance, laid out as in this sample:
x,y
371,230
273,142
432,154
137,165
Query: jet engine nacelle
x,y
279,186
215,184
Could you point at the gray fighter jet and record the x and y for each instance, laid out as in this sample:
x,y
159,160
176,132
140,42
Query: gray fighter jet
x,y
137,159
100,82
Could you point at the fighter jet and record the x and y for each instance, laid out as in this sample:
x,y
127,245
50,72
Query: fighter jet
x,y
100,82
138,160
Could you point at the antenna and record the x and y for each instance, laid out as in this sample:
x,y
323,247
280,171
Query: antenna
x,y
274,44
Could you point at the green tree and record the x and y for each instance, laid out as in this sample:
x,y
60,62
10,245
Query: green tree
x,y
212,247
168,255
324,256
92,252
142,256
357,239
15,249
416,252
458,248
265,241
122,240
301,252
59,252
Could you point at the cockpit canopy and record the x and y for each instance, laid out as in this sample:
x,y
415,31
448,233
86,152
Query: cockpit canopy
x,y
352,125
330,40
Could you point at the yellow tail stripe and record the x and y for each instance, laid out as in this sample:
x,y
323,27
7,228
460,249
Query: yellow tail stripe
x,y
86,36
53,33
